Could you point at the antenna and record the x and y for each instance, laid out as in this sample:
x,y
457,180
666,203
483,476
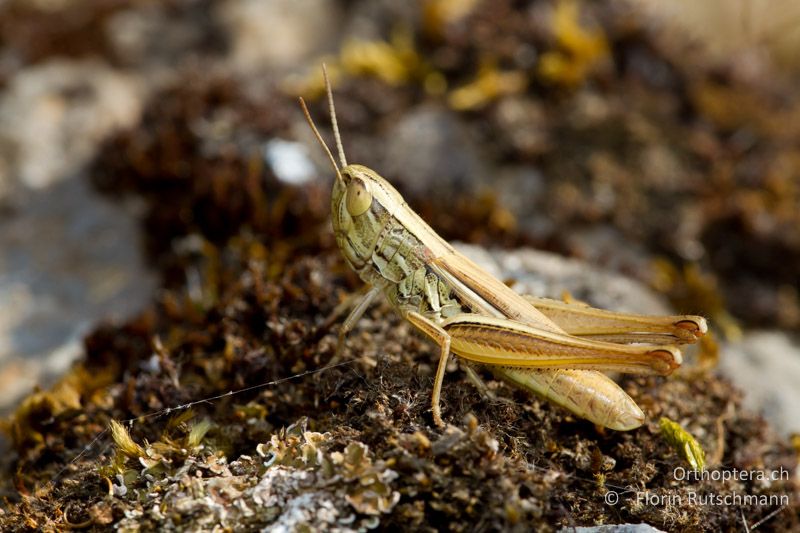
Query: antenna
x,y
319,138
339,147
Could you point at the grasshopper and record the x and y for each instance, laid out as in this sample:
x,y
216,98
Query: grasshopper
x,y
552,348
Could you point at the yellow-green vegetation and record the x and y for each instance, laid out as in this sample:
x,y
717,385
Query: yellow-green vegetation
x,y
489,84
683,442
579,49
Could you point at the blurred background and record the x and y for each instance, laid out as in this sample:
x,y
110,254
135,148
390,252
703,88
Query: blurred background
x,y
656,140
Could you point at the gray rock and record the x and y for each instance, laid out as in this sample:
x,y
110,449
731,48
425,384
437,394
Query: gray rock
x,y
290,161
766,366
277,33
69,259
157,38
53,117
420,151
549,275
612,528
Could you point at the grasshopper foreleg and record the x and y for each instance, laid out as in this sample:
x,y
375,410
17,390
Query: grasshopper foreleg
x,y
351,320
442,338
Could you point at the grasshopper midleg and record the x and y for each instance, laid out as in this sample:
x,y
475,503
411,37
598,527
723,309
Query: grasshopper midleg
x,y
556,351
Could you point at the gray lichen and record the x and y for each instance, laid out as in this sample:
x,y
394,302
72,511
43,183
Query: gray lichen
x,y
296,483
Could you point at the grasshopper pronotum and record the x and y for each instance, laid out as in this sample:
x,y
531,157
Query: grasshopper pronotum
x,y
552,348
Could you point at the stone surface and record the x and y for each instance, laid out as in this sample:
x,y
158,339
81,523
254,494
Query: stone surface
x,y
69,259
549,275
613,528
53,117
765,364
277,34
419,150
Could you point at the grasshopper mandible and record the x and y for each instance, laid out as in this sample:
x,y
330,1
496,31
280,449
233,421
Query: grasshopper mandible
x,y
555,349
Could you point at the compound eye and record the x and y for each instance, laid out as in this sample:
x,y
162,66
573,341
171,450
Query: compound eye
x,y
358,198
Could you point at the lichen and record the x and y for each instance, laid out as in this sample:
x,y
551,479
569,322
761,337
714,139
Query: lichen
x,y
298,483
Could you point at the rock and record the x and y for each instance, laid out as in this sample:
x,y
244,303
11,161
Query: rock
x,y
159,38
290,161
277,34
419,152
766,365
612,528
549,275
69,259
53,117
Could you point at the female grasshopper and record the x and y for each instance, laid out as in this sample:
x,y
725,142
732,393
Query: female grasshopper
x,y
552,348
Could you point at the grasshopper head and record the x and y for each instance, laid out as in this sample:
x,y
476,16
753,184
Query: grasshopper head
x,y
361,189
362,202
